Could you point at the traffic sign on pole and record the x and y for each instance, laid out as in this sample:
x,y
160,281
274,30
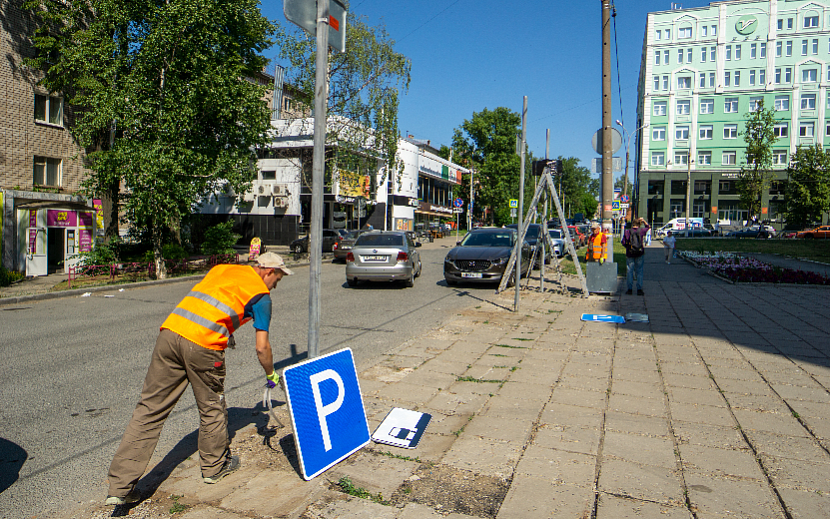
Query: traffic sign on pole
x,y
514,203
326,409
458,202
304,14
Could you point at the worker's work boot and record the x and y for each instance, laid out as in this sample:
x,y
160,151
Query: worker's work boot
x,y
231,465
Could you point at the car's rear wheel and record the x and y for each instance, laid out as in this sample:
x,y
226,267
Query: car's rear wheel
x,y
410,281
298,249
420,267
352,282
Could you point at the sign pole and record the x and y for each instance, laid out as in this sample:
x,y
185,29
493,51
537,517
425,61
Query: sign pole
x,y
315,241
519,240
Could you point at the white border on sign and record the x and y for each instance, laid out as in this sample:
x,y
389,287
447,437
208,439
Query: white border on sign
x,y
308,477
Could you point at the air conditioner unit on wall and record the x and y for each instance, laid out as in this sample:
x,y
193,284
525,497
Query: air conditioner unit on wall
x,y
280,203
261,190
278,190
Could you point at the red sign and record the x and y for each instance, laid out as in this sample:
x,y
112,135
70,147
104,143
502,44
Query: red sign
x,y
84,240
764,210
58,218
714,209
334,22
86,219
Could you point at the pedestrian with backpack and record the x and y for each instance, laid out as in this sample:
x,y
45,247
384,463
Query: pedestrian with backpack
x,y
634,240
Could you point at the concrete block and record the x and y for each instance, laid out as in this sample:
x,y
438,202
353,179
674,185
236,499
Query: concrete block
x,y
636,424
532,498
720,462
273,493
558,466
719,497
640,449
374,472
350,508
484,456
613,507
657,484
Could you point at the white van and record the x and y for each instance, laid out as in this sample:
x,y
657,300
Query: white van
x,y
677,224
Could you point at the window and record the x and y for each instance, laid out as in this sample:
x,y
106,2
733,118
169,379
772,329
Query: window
x,y
713,53
810,22
684,82
762,77
698,209
49,109
782,103
705,132
704,158
47,172
753,49
806,129
789,23
681,133
809,75
779,157
684,32
711,80
779,46
827,129
701,186
658,133
780,26
703,53
804,45
684,107
660,108
737,78
707,106
730,105
815,46
730,131
681,158
659,33
668,34
702,80
714,30
737,52
665,82
789,48
666,57
751,78
727,79
656,82
787,75
763,50
689,53
780,130
704,30
657,57
658,158
755,103
729,158
724,186
778,76
729,53
679,56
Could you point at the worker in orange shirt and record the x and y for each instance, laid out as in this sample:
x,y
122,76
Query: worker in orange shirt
x,y
597,245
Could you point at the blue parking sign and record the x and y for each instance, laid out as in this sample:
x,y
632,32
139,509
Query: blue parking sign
x,y
326,410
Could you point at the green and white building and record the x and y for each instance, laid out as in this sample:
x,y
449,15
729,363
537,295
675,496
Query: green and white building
x,y
703,69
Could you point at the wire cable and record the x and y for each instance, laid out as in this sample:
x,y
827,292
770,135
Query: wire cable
x,y
617,56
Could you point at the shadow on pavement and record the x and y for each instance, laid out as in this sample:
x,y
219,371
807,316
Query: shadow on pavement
x,y
12,459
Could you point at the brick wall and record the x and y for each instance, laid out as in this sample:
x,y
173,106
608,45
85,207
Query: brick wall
x,y
21,138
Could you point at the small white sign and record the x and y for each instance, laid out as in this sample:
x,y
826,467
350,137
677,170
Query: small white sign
x,y
402,428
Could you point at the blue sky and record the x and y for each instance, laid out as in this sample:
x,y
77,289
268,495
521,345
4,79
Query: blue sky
x,y
468,55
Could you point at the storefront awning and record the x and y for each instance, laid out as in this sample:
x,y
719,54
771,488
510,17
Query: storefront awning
x,y
53,204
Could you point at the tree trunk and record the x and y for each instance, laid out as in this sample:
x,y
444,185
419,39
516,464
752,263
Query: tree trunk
x,y
161,268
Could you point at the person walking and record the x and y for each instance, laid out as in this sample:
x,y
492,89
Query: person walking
x,y
190,349
634,242
597,245
668,246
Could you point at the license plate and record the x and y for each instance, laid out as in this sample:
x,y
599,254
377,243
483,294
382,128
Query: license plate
x,y
375,258
476,275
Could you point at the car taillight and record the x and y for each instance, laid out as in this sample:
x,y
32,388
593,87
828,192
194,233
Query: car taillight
x,y
402,256
350,257
334,247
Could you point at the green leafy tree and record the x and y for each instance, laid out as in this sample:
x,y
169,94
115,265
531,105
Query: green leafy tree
x,y
365,83
756,175
808,188
487,143
160,98
577,187
620,184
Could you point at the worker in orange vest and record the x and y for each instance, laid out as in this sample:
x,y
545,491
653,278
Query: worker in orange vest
x,y
597,245
190,349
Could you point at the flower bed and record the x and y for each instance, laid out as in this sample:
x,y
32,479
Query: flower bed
x,y
743,269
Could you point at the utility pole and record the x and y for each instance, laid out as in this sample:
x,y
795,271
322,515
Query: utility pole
x,y
315,239
688,193
607,180
470,210
519,240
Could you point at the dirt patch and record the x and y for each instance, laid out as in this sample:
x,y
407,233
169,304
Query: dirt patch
x,y
450,490
270,447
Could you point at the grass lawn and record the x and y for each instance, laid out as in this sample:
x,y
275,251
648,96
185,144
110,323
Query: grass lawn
x,y
817,250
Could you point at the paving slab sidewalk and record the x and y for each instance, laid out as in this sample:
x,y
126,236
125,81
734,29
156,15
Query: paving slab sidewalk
x,y
719,407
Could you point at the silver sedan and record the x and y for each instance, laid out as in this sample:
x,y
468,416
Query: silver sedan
x,y
383,256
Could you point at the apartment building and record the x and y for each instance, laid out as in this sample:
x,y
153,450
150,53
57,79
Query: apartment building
x,y
702,71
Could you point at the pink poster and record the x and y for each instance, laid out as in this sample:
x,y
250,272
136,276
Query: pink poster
x,y
86,219
32,241
32,218
58,218
84,240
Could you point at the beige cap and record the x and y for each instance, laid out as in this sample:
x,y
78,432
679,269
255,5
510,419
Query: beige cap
x,y
270,260
594,225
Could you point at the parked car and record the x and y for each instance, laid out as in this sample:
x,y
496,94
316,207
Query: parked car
x,y
345,245
330,238
482,256
534,230
696,232
753,231
822,232
577,236
559,246
383,256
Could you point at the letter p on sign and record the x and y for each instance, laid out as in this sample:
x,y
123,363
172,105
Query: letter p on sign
x,y
326,408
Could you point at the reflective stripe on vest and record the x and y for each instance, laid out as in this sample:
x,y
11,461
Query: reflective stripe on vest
x,y
215,308
595,247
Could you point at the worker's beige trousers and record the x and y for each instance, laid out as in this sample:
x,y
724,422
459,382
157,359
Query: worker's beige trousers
x,y
176,362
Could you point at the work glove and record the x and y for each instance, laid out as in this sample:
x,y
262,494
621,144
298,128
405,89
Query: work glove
x,y
602,261
272,380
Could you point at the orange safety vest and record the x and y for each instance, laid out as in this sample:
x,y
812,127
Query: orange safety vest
x,y
214,309
597,248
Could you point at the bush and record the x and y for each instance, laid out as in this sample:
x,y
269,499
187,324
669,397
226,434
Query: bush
x,y
102,253
220,239
170,251
7,277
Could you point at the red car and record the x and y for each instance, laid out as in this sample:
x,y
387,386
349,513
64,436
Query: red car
x,y
577,236
822,232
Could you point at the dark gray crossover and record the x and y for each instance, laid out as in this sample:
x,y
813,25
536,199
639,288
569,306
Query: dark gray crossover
x,y
482,256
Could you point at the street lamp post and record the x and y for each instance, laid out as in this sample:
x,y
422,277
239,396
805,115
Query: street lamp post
x,y
627,152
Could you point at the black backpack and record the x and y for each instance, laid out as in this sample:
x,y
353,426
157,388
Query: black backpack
x,y
636,247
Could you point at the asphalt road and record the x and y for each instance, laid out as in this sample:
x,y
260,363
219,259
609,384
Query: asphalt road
x,y
73,369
